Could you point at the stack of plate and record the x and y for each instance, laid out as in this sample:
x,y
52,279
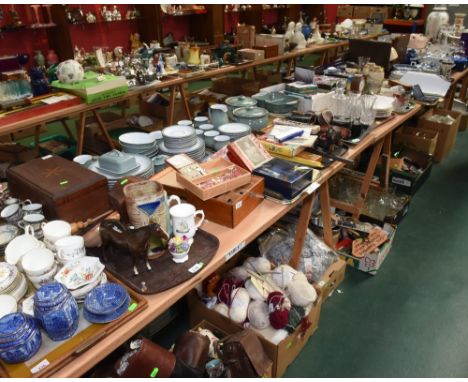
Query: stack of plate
x,y
383,106
12,282
81,276
7,233
106,303
144,168
234,130
139,143
182,140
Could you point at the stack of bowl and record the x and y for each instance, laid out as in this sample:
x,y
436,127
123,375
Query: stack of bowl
x,y
81,276
20,338
139,143
12,282
106,303
182,140
56,310
39,266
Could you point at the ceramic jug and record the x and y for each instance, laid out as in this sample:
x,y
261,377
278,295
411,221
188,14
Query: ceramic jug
x,y
218,114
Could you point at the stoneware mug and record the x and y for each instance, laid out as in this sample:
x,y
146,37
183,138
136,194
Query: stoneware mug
x,y
55,230
183,219
70,248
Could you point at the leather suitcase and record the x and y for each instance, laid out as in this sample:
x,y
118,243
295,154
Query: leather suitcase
x,y
67,190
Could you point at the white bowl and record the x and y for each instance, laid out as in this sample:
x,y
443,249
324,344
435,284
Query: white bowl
x,y
38,261
137,139
7,305
18,247
41,279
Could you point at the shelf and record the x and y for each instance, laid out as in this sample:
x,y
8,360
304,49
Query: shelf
x,y
107,22
187,13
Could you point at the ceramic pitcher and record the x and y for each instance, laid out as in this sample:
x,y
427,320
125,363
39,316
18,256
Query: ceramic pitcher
x,y
147,203
218,114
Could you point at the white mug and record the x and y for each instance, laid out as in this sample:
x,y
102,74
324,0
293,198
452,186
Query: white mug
x,y
54,230
183,220
70,248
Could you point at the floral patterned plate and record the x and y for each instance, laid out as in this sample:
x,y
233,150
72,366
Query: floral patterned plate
x,y
80,272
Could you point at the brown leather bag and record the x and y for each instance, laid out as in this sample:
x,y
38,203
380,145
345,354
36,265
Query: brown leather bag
x,y
149,360
243,355
192,348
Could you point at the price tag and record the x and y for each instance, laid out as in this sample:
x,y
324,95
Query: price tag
x,y
238,205
235,250
47,157
132,307
41,365
196,267
154,373
313,187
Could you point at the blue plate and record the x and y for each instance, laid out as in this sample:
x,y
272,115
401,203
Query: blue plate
x,y
105,318
106,298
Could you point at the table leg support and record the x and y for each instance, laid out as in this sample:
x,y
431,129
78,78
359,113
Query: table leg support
x,y
326,216
80,134
102,127
172,105
386,156
301,230
188,114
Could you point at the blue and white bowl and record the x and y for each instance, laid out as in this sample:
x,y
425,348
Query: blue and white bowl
x,y
105,318
106,303
20,338
57,311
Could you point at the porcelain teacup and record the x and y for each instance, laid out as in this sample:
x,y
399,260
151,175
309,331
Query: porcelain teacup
x,y
34,221
31,208
12,213
70,248
55,230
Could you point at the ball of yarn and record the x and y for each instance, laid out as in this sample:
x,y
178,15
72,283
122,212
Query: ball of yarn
x,y
253,292
282,275
240,273
222,308
257,264
239,304
257,314
301,292
279,315
227,285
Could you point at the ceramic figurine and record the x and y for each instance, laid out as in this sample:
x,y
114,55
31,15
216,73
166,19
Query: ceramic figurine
x,y
90,18
316,36
194,56
298,38
52,58
435,20
116,16
106,13
289,35
135,42
204,58
118,53
135,241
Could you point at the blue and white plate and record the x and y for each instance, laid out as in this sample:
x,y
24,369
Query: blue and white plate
x,y
106,318
105,299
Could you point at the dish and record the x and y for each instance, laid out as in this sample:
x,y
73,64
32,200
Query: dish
x,y
80,272
137,139
105,318
178,131
80,293
8,274
38,261
106,299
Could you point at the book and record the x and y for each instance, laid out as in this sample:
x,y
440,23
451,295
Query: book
x,y
248,152
304,157
281,148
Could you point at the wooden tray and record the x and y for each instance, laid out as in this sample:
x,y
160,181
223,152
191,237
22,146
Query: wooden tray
x,y
165,274
75,346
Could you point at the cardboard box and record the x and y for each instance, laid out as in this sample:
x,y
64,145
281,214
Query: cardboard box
x,y
345,11
246,35
268,50
382,12
420,139
447,134
270,39
361,12
252,54
282,354
371,262
331,279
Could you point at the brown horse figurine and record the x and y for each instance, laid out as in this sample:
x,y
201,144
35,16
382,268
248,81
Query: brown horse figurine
x,y
135,241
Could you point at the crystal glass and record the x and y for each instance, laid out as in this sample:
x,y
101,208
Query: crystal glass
x,y
367,109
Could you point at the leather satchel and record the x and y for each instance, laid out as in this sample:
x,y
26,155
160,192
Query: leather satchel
x,y
192,349
243,355
148,360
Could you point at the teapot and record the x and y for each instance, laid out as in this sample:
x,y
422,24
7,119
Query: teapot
x,y
218,114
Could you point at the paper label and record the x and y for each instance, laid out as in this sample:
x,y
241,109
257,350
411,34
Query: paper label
x,y
235,250
196,267
155,372
47,157
132,307
238,205
313,187
41,365
401,181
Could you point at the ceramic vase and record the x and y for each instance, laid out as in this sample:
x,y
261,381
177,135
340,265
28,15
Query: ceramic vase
x,y
435,20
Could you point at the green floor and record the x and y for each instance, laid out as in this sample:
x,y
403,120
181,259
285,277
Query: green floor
x,y
410,319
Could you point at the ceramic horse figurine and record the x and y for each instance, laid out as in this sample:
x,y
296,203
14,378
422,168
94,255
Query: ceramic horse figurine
x,y
135,241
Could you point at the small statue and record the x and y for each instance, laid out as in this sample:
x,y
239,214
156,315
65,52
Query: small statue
x,y
299,38
316,37
136,241
90,18
116,16
106,13
118,53
289,35
135,42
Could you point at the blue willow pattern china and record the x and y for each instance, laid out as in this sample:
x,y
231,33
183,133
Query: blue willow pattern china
x,y
57,311
20,337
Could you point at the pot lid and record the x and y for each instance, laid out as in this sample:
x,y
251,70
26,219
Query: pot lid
x,y
250,112
239,101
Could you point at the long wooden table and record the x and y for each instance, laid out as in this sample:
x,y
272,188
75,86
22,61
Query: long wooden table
x,y
231,241
176,84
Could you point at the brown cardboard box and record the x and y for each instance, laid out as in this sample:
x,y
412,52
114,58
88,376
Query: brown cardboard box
x,y
246,35
384,11
420,139
331,279
268,50
282,354
447,133
361,12
345,11
252,54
